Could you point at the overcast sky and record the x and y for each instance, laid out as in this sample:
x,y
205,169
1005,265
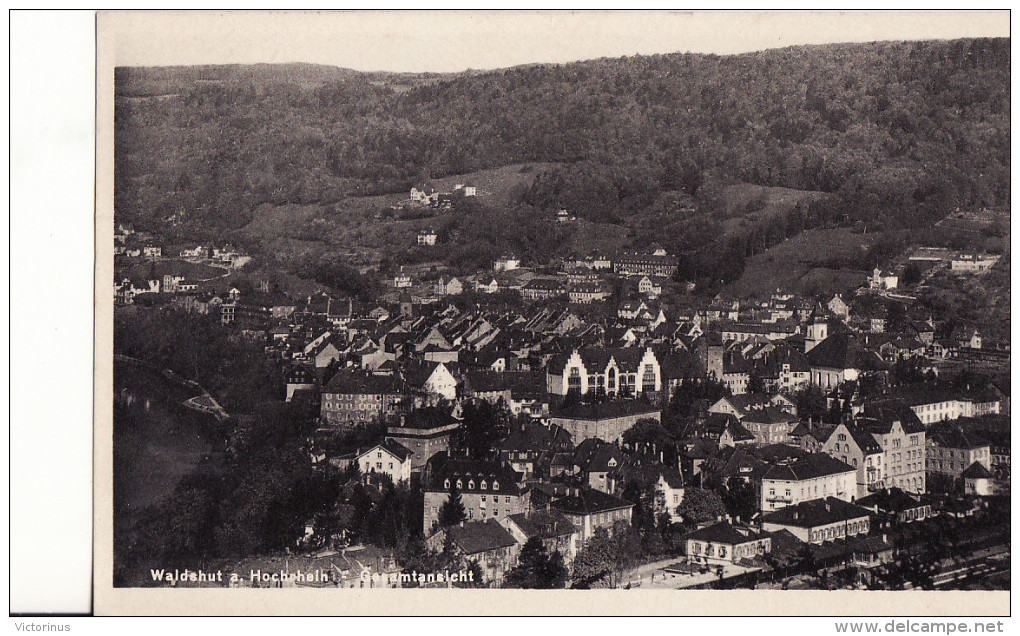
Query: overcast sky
x,y
445,41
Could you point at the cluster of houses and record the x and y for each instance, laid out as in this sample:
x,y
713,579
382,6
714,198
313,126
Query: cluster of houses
x,y
576,382
584,281
427,194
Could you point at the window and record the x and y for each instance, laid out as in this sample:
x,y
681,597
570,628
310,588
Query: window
x,y
495,485
483,484
460,484
471,484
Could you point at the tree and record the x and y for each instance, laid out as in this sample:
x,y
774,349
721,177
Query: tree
x,y
740,498
483,426
700,505
452,511
595,562
536,569
756,385
811,403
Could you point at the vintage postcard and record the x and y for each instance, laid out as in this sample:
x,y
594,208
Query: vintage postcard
x,y
550,313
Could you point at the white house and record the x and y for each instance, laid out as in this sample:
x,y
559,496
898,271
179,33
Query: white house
x,y
973,263
389,458
506,263
402,280
427,238
883,279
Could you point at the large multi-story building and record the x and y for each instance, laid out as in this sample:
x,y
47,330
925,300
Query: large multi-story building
x,y
607,421
354,398
636,264
857,447
488,490
953,450
901,435
612,371
805,477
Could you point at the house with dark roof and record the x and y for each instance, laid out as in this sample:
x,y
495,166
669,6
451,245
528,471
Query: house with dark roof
x,y
599,463
485,543
725,543
531,442
488,490
543,289
978,480
724,429
388,457
590,509
431,380
952,450
820,520
892,505
841,358
555,531
804,477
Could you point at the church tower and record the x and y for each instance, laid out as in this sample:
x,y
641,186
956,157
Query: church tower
x,y
817,329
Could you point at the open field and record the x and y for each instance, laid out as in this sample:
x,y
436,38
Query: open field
x,y
744,205
798,264
194,272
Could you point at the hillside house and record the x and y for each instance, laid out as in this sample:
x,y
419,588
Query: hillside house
x,y
427,238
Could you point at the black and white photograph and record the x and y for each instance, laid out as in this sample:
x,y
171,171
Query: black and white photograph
x,y
641,302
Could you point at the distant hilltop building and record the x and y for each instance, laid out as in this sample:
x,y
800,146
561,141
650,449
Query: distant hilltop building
x,y
883,279
427,237
506,263
427,194
973,263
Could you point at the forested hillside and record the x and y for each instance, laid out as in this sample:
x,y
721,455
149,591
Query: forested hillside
x,y
899,133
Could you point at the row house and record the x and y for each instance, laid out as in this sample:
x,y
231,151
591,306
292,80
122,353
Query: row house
x,y
543,289
725,543
587,293
637,264
820,520
892,505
